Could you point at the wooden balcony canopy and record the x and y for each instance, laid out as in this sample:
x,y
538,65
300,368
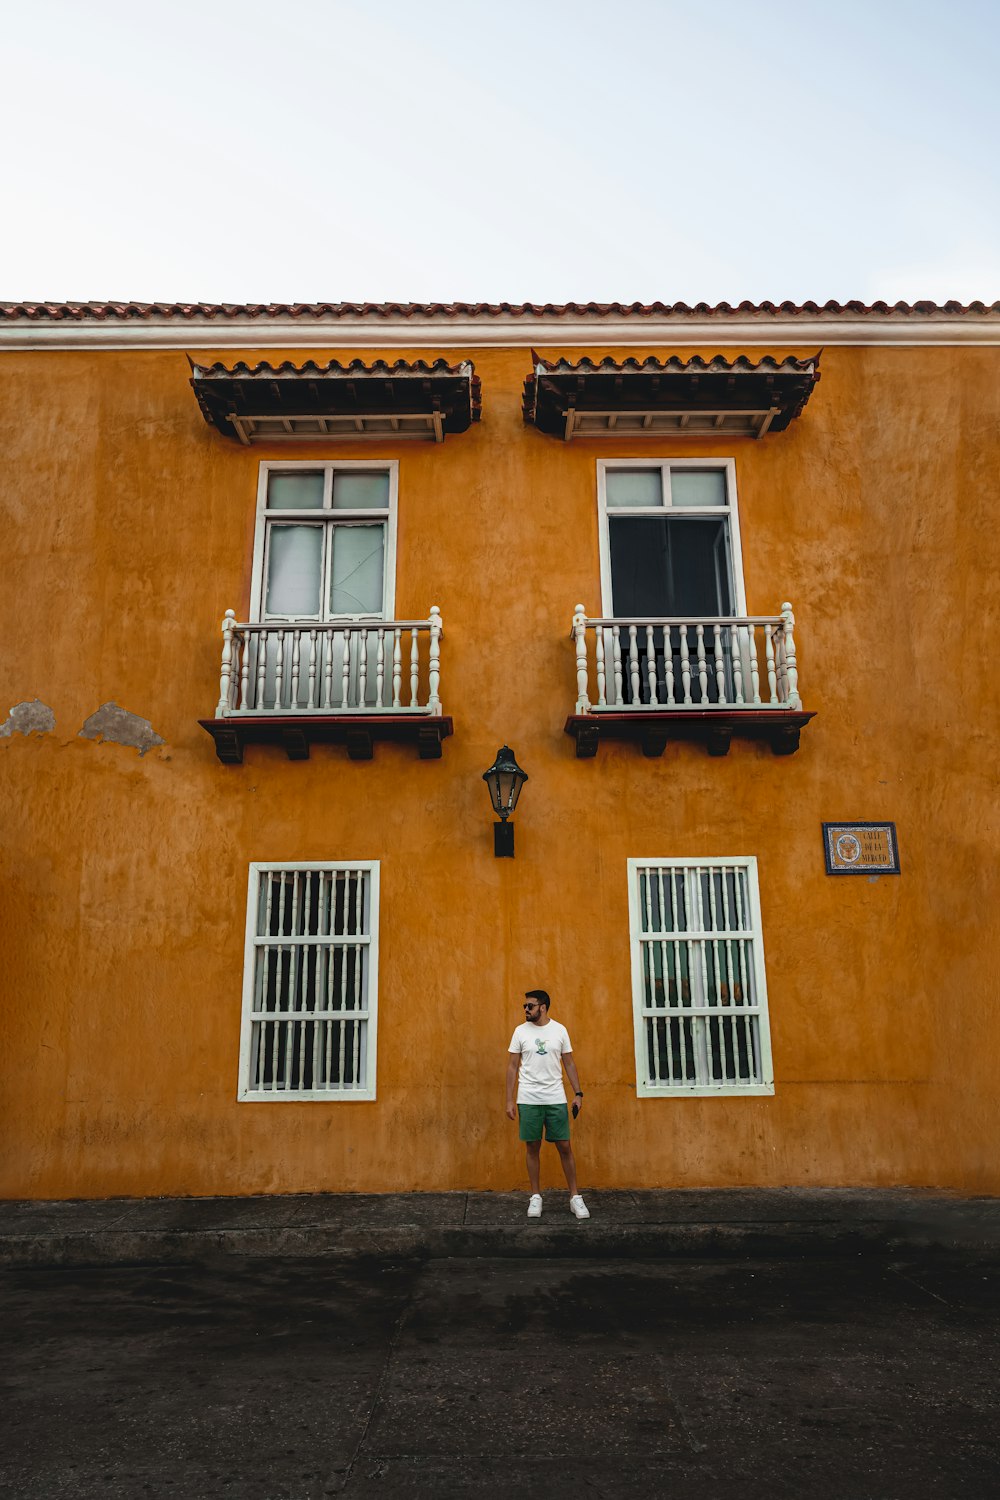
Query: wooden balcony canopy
x,y
267,403
676,397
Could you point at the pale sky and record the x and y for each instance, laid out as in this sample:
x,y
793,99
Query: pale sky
x,y
516,150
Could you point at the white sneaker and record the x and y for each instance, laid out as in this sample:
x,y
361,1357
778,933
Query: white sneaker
x,y
576,1206
535,1206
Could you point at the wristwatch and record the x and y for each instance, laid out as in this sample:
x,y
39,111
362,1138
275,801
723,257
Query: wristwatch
x,y
578,1094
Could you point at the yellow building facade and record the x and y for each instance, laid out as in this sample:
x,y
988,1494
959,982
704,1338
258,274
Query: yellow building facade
x,y
714,588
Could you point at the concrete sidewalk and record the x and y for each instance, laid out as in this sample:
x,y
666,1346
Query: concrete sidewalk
x,y
684,1224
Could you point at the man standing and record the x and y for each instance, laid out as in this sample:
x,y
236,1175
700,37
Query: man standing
x,y
541,1049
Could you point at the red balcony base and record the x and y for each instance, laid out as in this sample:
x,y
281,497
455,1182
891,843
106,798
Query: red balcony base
x,y
712,728
296,734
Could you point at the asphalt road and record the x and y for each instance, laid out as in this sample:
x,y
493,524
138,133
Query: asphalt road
x,y
852,1379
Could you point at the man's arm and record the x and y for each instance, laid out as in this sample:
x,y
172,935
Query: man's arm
x,y
573,1076
513,1062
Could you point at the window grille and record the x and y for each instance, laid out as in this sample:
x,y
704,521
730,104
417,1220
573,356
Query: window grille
x,y
310,982
698,978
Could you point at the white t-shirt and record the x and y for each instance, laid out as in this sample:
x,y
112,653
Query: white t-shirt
x,y
540,1048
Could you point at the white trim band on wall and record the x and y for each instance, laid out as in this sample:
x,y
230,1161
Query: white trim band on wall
x,y
504,332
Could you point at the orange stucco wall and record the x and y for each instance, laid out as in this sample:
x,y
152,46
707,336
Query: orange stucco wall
x,y
128,528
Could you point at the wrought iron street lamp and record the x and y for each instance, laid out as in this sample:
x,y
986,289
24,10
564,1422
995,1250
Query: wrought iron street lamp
x,y
504,780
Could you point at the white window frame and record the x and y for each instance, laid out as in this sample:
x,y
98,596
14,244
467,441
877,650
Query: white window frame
x,y
645,1089
329,1096
731,509
325,517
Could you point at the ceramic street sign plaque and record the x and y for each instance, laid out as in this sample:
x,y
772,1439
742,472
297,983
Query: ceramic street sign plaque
x,y
860,848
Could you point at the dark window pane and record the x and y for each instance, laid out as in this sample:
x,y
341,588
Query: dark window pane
x,y
669,567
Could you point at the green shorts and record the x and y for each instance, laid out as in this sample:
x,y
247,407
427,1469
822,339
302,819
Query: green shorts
x,y
531,1118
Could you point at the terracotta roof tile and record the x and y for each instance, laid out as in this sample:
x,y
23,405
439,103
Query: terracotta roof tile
x,y
221,311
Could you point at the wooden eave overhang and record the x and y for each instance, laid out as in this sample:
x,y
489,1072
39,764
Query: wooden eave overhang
x,y
714,728
297,733
422,401
677,397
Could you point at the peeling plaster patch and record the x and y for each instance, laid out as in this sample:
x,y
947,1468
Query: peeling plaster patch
x,y
35,717
113,725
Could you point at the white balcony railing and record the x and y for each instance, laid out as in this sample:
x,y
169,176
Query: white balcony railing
x,y
674,665
303,667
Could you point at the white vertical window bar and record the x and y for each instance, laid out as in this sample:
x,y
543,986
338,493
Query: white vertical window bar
x,y
714,944
648,975
677,880
727,922
666,980
703,1069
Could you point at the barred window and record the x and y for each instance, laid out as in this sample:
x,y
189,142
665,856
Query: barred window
x,y
698,985
310,982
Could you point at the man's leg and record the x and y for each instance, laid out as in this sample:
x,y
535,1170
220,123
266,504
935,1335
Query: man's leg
x,y
532,1154
568,1165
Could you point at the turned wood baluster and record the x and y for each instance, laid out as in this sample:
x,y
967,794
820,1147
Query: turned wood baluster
x,y
734,641
685,665
601,672
772,677
345,690
293,697
380,668
668,663
633,665
225,681
434,665
279,668
362,666
312,669
720,662
616,665
244,643
791,670
328,640
699,646
754,669
414,667
397,666
580,638
651,665
262,640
